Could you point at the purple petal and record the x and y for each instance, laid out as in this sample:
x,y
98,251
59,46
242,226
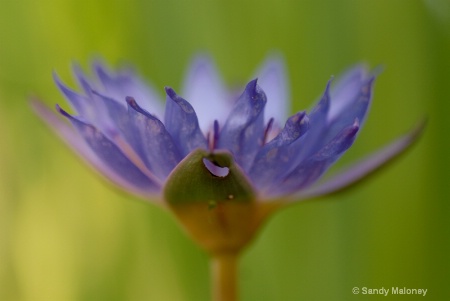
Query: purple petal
x,y
323,130
112,155
204,90
142,187
182,124
125,83
365,168
312,168
320,111
346,90
81,104
275,156
89,108
273,79
121,125
357,108
83,80
117,112
243,132
161,154
309,143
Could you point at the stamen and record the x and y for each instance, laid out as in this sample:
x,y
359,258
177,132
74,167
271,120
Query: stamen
x,y
212,138
266,132
209,141
215,133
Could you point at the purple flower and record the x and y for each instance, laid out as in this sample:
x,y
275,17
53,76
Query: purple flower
x,y
208,133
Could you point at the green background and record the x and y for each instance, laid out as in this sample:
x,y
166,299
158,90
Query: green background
x,y
65,235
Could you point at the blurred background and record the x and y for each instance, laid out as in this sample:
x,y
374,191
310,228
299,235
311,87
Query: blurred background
x,y
65,235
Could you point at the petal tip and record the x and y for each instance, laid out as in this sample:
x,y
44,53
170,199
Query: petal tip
x,y
251,86
62,111
131,102
171,93
254,91
57,80
369,166
354,128
135,106
418,129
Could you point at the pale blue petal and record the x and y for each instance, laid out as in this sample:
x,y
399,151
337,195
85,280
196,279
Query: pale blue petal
x,y
159,149
205,91
142,187
243,132
111,155
80,103
346,90
310,142
313,167
273,80
182,124
357,109
276,156
125,83
362,170
88,108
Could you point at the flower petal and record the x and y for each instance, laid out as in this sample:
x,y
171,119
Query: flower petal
x,y
117,113
275,156
243,132
139,186
111,154
161,154
83,80
204,90
308,144
365,168
346,90
126,83
323,130
357,108
81,104
312,168
182,124
121,130
273,79
89,108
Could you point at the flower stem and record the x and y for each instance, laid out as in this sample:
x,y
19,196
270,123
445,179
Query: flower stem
x,y
224,270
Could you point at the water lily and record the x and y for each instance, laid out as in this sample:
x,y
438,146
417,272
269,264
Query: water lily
x,y
221,161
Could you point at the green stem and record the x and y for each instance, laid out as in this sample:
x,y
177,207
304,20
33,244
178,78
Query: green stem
x,y
224,270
